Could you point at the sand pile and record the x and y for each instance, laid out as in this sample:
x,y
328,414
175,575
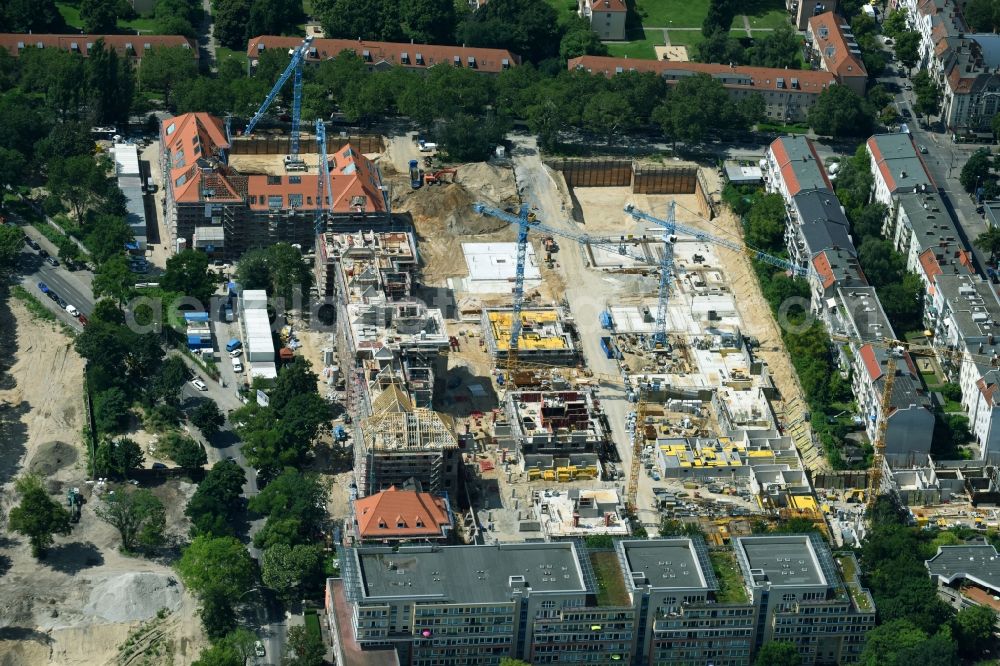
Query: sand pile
x,y
450,205
491,184
133,596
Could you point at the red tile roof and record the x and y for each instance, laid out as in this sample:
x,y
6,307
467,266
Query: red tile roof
x,y
749,78
788,166
872,365
401,514
193,136
131,45
833,46
607,6
822,264
415,56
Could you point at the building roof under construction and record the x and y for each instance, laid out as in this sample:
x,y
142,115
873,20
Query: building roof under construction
x,y
396,424
541,330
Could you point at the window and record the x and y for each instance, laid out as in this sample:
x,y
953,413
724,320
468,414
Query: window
x,y
274,201
180,181
274,180
295,201
170,128
295,180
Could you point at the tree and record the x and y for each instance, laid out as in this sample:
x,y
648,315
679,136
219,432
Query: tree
x,y
37,16
895,23
976,171
168,381
695,105
510,661
765,224
294,505
111,410
107,237
137,514
974,625
528,28
908,49
306,648
184,451
99,17
981,15
12,165
928,94
839,112
229,21
782,47
288,570
428,21
111,83
11,242
467,138
900,643
115,457
77,179
989,241
37,516
719,17
208,418
216,504
580,39
720,47
608,113
273,17
778,653
164,67
114,280
641,91
670,527
187,273
279,268
219,571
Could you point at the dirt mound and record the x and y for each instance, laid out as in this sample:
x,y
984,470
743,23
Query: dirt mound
x,y
450,205
51,457
133,596
492,184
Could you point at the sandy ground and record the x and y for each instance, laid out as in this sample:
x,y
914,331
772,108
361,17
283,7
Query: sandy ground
x,y
57,611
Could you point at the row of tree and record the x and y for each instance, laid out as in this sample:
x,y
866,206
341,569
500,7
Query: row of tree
x,y
98,17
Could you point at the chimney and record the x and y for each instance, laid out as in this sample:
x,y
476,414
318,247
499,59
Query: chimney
x,y
576,520
607,519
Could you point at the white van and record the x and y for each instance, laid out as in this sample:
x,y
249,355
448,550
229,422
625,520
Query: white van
x,y
237,365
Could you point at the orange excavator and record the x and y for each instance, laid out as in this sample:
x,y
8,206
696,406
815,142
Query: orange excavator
x,y
437,177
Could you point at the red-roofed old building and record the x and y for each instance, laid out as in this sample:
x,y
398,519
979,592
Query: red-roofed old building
x,y
835,51
607,17
383,55
402,515
787,94
132,47
213,207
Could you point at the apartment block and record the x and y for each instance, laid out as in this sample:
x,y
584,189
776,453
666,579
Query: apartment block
x,y
365,263
380,56
787,94
967,575
544,335
214,207
815,223
964,315
835,50
664,603
923,231
401,444
897,167
606,17
554,423
133,47
792,166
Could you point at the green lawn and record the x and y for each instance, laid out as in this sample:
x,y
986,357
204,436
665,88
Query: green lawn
x,y
610,582
222,53
640,48
312,624
140,24
762,13
731,586
782,129
71,14
566,9
672,13
686,38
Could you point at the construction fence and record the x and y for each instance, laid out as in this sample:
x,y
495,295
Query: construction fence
x,y
263,144
617,172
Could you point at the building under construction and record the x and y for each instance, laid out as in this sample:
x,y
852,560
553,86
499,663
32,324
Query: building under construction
x,y
366,263
552,422
401,444
545,336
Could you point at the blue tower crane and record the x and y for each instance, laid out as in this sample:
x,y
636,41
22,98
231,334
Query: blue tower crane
x,y
294,67
324,192
524,223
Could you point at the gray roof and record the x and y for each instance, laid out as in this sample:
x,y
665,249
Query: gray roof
x,y
992,212
989,47
781,560
808,171
468,574
974,305
135,207
824,225
980,564
899,162
668,564
845,268
864,309
932,225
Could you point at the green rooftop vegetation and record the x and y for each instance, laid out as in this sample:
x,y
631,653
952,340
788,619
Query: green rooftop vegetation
x,y
610,580
731,587
848,566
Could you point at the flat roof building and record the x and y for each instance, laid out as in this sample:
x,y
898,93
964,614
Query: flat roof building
x,y
967,575
897,167
543,337
129,177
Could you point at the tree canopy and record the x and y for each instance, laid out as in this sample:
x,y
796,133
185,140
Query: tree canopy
x,y
839,112
37,516
137,514
217,504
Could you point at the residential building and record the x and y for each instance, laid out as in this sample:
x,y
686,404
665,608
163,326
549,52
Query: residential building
x,y
395,515
991,210
964,315
967,575
792,166
365,263
803,10
213,207
923,231
606,17
543,337
897,167
860,318
834,268
385,55
133,47
834,49
403,444
662,603
816,222
553,422
787,94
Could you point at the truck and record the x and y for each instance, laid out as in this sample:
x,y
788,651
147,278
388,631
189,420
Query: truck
x,y
233,345
610,348
606,321
427,146
416,181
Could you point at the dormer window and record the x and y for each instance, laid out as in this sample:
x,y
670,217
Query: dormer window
x,y
505,63
472,62
74,47
260,47
366,55
404,58
147,46
420,58
458,61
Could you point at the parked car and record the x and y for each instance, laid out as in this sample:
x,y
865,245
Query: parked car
x,y
42,253
72,310
198,384
258,649
236,353
237,365
83,319
33,244
51,261
61,302
42,287
923,149
53,295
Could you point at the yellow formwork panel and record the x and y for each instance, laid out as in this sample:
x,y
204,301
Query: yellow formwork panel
x,y
803,502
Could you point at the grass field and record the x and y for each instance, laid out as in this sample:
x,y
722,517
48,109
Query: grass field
x,y
731,590
222,53
640,48
71,14
686,38
675,13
